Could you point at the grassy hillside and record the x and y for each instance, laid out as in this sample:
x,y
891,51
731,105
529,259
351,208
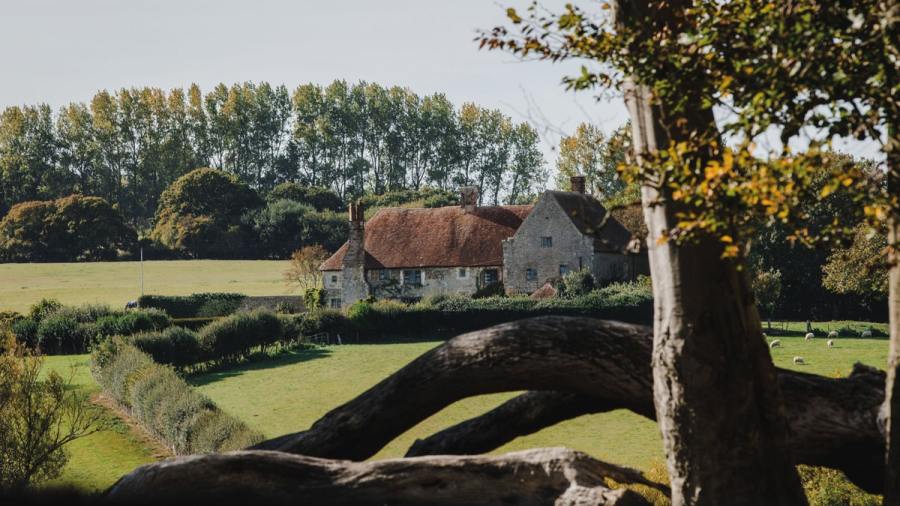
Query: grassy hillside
x,y
288,393
115,283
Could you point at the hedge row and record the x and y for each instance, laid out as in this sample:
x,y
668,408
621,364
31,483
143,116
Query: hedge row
x,y
194,305
225,340
76,329
164,404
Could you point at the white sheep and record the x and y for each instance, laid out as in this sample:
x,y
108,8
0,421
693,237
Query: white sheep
x,y
866,333
775,344
830,343
833,333
798,361
765,336
809,336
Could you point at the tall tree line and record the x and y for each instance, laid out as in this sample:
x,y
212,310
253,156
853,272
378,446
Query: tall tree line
x,y
128,146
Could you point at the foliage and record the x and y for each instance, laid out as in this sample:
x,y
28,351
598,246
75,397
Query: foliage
x,y
72,228
490,290
828,487
199,213
314,298
858,269
175,346
194,305
164,404
233,338
44,308
39,415
590,153
576,283
766,285
127,146
409,197
303,269
320,199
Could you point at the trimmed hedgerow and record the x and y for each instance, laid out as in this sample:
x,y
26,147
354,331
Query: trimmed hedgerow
x,y
233,338
194,305
164,404
176,346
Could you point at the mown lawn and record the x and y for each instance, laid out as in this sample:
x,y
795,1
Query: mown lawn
x,y
98,460
115,283
289,392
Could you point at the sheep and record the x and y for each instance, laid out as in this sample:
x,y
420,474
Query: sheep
x,y
809,336
830,343
833,333
866,333
765,336
798,361
775,344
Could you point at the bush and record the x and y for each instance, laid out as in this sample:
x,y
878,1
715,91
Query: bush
x,y
164,404
132,322
828,487
232,338
194,305
314,298
576,283
60,333
176,346
491,290
44,308
26,332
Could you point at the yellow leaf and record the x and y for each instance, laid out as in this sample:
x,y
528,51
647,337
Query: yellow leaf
x,y
727,239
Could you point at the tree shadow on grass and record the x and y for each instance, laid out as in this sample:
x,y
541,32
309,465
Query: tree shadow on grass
x,y
259,361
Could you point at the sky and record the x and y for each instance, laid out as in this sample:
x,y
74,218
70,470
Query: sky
x,y
62,51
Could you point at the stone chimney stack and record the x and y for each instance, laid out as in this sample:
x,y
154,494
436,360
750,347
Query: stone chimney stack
x,y
355,287
468,198
576,184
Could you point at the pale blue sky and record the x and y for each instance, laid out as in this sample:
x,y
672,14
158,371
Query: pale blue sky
x,y
60,51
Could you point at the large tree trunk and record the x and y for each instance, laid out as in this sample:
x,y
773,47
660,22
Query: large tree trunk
x,y
892,390
715,390
593,365
545,477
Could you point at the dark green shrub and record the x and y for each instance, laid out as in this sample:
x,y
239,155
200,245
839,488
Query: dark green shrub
x,y
491,290
59,334
233,337
132,322
176,346
194,305
26,331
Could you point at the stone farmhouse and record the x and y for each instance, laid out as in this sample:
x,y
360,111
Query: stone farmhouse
x,y
407,254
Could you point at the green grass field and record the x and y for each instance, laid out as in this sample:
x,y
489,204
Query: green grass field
x,y
288,392
98,460
115,283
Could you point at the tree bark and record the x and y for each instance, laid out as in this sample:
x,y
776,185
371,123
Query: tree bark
x,y
591,365
553,476
891,421
715,390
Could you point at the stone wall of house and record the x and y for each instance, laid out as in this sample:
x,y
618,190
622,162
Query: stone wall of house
x,y
527,249
333,283
392,284
353,277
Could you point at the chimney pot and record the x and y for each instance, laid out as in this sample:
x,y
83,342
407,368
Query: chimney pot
x,y
576,183
356,212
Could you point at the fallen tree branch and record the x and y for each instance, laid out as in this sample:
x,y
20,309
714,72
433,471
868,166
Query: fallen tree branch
x,y
606,365
552,476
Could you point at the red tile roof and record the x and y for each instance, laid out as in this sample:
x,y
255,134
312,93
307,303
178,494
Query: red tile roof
x,y
439,237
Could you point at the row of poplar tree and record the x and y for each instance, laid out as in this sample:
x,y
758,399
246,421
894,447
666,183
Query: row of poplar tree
x,y
128,146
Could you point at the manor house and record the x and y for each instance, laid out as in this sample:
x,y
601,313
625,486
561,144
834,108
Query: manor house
x,y
407,254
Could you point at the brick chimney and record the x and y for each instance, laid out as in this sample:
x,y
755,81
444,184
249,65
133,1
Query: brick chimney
x,y
355,287
576,184
468,198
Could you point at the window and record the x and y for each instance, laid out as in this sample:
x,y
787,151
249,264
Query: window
x,y
412,277
384,275
563,269
334,279
546,242
462,273
336,303
530,274
491,276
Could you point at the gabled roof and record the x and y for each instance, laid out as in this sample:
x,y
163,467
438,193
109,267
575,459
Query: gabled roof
x,y
398,238
590,218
